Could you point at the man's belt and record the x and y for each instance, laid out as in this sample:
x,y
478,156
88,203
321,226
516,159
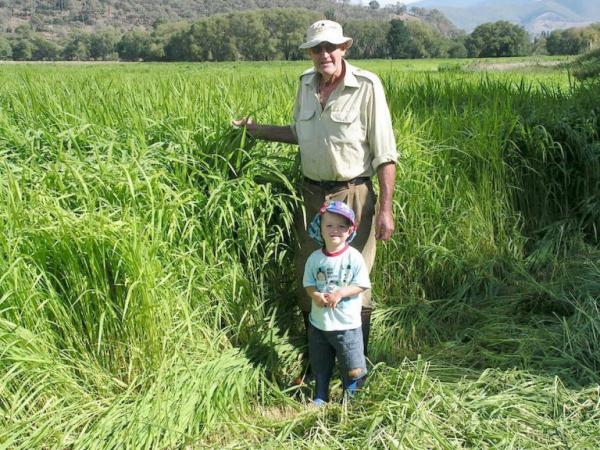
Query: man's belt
x,y
328,184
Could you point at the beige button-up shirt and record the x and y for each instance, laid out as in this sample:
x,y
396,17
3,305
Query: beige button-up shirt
x,y
352,135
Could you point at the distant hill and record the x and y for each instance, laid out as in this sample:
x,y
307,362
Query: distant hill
x,y
535,16
60,17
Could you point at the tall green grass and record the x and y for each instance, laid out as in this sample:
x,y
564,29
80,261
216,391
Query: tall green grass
x,y
146,280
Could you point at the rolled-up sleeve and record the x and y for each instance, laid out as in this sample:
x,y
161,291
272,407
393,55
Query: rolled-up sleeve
x,y
380,133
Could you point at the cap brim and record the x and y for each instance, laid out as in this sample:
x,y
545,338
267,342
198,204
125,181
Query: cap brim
x,y
315,42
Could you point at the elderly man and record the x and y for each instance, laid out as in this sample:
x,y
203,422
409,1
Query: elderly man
x,y
343,127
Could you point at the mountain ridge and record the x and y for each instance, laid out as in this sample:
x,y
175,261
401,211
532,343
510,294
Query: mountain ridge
x,y
55,18
536,16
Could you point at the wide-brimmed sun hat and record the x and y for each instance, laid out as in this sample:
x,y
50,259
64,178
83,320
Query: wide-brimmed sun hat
x,y
325,31
334,207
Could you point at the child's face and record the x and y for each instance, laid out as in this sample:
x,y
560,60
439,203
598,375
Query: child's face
x,y
335,229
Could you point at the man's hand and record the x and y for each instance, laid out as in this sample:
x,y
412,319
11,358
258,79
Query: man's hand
x,y
384,225
244,122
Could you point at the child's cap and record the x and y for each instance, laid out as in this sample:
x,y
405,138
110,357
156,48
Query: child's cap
x,y
334,207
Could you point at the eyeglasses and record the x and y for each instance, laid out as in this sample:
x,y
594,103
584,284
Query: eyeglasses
x,y
328,47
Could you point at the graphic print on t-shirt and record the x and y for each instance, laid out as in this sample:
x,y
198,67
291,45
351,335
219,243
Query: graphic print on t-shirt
x,y
329,281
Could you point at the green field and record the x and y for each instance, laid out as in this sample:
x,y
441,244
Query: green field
x,y
145,254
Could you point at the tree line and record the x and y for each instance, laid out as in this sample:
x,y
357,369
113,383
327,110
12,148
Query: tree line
x,y
274,34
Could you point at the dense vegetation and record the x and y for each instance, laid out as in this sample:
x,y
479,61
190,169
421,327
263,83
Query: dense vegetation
x,y
274,34
33,37
63,16
145,263
587,66
573,41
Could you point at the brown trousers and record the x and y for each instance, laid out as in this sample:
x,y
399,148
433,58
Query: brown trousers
x,y
361,198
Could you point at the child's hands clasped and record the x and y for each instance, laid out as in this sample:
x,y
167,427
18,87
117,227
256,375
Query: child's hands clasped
x,y
327,299
321,299
333,298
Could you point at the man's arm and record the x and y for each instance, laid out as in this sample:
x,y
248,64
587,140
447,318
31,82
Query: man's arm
x,y
275,133
383,147
384,220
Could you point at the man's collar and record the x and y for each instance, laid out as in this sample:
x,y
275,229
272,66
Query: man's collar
x,y
349,78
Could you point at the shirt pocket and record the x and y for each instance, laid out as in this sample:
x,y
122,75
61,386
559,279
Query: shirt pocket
x,y
305,124
345,127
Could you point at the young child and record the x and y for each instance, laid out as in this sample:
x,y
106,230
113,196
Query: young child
x,y
334,278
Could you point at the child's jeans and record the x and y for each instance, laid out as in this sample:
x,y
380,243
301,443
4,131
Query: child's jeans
x,y
324,346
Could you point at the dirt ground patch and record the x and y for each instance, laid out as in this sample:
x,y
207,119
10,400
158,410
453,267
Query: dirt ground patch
x,y
482,65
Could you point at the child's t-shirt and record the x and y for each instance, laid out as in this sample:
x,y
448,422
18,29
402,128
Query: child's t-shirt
x,y
329,272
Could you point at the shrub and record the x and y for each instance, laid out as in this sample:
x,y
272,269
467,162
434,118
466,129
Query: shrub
x,y
587,66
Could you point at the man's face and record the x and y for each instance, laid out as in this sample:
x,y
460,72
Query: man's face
x,y
327,58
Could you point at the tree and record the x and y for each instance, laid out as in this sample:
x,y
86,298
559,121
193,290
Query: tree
x,y
457,49
5,49
22,49
251,38
187,45
287,28
572,41
374,4
496,39
555,44
414,39
103,44
397,38
44,50
223,43
538,47
369,38
210,39
161,34
424,41
77,47
133,44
